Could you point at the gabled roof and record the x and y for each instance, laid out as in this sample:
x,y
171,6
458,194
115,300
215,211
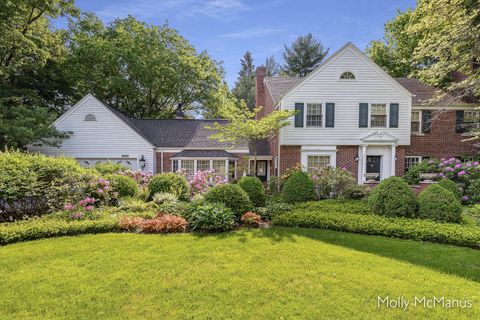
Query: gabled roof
x,y
278,86
379,136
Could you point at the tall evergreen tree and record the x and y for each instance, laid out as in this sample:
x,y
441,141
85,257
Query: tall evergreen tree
x,y
304,55
273,68
245,85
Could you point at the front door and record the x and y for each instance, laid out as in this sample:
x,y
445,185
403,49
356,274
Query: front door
x,y
373,167
262,170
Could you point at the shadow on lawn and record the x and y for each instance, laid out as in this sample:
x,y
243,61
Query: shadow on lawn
x,y
463,262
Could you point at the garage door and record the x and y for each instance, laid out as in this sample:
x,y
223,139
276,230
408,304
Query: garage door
x,y
130,163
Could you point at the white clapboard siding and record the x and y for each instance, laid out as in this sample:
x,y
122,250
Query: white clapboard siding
x,y
106,138
370,86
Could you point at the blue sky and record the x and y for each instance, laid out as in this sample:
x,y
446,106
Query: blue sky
x,y
228,28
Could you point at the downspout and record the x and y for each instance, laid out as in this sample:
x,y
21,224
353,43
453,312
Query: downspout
x,y
161,160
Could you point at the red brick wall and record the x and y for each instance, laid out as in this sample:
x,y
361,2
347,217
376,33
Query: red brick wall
x,y
290,156
442,141
260,89
346,158
400,163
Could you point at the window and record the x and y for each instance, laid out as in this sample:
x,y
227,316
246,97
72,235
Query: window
x,y
378,115
219,166
471,119
174,165
347,76
411,161
314,115
231,169
415,124
90,117
203,165
314,163
188,166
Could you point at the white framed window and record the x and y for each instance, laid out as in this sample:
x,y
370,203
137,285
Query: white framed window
x,y
378,115
203,165
219,167
347,75
410,161
316,162
471,118
314,115
416,123
174,165
188,166
90,117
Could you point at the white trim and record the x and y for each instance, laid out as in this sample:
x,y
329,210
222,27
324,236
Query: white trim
x,y
177,149
319,151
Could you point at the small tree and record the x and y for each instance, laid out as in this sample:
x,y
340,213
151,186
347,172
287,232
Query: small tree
x,y
245,126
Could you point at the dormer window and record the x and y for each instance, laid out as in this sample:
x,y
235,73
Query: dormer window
x,y
347,75
90,117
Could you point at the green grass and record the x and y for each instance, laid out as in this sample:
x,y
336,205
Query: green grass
x,y
260,274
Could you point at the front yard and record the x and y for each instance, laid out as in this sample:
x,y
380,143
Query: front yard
x,y
267,273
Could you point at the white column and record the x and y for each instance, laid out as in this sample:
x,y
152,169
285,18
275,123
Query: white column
x,y
393,157
364,163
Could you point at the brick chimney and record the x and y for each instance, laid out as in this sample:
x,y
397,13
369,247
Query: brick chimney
x,y
259,86
179,112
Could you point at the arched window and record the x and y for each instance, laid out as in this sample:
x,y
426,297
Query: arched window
x,y
90,117
347,75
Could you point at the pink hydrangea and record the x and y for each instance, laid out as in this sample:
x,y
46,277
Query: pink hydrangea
x,y
89,208
68,206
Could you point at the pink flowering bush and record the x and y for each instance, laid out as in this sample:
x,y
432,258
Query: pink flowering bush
x,y
142,178
332,182
202,181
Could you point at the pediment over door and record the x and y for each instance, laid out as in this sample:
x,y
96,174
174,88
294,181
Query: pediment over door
x,y
379,137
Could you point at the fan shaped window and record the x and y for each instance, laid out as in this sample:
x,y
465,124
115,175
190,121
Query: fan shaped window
x,y
90,117
347,75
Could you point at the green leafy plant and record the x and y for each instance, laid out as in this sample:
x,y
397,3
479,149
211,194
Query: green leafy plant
x,y
255,190
124,185
206,216
108,167
450,186
162,197
232,196
332,182
393,198
298,188
437,203
169,182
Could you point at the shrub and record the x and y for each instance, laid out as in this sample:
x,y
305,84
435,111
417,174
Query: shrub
x,y
337,206
202,181
473,191
251,219
162,223
255,190
131,223
134,205
412,175
105,168
232,196
437,203
169,182
298,188
211,217
415,229
124,185
450,186
355,192
161,197
393,198
276,208
332,182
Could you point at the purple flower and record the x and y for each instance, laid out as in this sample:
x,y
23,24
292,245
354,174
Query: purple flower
x,y
461,173
465,198
458,166
77,215
68,206
99,191
430,161
449,169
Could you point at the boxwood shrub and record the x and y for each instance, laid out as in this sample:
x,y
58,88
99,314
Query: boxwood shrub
x,y
124,185
169,182
437,203
255,190
232,196
450,186
298,188
393,198
415,229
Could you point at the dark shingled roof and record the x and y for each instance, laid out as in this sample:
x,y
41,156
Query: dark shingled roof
x,y
278,86
422,92
204,154
262,147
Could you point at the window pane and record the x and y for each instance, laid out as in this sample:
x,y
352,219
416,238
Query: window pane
x,y
411,161
314,115
415,124
219,166
231,169
378,115
347,75
415,115
188,167
203,165
174,165
317,162
379,109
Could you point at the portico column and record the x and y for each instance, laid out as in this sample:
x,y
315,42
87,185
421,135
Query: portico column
x,y
393,157
364,163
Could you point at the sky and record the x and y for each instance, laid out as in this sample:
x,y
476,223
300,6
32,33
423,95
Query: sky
x,y
228,28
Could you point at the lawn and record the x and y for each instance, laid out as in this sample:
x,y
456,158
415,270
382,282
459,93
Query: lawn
x,y
261,274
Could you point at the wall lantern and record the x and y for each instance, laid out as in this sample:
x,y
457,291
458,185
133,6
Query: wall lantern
x,y
142,162
355,158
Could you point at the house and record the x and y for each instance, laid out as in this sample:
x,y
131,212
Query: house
x,y
350,113
100,133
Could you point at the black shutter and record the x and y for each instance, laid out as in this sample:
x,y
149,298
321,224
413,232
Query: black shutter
x,y
393,115
299,115
426,121
363,115
330,115
459,127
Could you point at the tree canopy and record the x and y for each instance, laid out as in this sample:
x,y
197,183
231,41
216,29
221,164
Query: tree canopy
x,y
245,85
303,55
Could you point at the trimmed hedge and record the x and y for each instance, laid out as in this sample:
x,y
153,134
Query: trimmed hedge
x,y
450,186
393,198
255,190
421,230
169,182
42,228
298,188
437,203
232,196
124,185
